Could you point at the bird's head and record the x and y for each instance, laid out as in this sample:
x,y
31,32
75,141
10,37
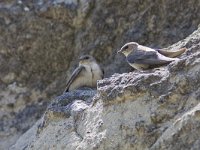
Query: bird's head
x,y
86,60
128,48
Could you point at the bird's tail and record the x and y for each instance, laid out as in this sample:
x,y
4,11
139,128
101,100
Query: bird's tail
x,y
172,53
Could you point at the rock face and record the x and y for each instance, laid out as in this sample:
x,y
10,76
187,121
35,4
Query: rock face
x,y
153,109
41,40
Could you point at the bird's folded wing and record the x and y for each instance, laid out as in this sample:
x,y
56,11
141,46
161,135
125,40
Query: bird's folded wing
x,y
148,57
172,53
74,75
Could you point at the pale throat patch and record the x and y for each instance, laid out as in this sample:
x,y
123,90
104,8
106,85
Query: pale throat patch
x,y
85,63
127,52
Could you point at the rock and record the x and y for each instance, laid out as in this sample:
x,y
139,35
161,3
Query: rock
x,y
153,109
182,133
41,40
70,105
62,105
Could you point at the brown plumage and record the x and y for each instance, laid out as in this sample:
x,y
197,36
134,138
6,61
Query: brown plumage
x,y
142,57
85,75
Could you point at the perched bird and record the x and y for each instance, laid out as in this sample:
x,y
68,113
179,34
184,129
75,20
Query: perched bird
x,y
142,57
85,75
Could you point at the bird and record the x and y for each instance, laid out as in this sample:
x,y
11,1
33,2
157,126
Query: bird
x,y
85,75
141,57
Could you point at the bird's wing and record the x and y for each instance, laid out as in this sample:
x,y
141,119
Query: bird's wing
x,y
74,75
148,57
172,53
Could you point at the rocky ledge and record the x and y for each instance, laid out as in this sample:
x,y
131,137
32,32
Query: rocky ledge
x,y
153,109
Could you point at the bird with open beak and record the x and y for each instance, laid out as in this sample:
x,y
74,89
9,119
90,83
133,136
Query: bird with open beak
x,y
142,57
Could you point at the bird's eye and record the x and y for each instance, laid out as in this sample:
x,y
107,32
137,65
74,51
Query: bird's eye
x,y
126,47
87,57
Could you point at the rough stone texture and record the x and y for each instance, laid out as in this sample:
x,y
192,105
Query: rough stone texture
x,y
41,40
153,109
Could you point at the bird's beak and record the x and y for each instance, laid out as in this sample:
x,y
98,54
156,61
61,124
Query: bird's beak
x,y
119,51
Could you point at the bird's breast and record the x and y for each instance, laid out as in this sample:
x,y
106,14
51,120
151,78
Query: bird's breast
x,y
96,74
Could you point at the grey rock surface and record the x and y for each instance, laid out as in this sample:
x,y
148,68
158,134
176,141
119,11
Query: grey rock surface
x,y
41,40
153,109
